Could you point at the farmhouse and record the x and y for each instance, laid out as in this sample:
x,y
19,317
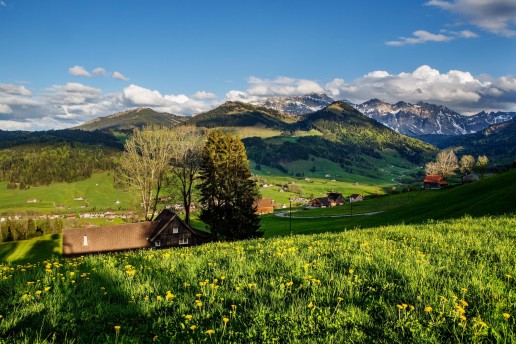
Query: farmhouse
x,y
356,198
333,199
264,206
434,181
167,230
469,178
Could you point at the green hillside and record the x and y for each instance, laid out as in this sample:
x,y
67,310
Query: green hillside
x,y
238,114
131,119
492,196
498,142
439,282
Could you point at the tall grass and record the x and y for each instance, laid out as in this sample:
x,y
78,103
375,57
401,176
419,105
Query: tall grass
x,y
449,281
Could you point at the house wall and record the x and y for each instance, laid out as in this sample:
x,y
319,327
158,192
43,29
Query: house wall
x,y
168,238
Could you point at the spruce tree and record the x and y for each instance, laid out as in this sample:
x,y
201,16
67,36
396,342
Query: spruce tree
x,y
228,194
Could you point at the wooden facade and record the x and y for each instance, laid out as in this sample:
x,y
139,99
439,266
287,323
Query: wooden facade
x,y
167,230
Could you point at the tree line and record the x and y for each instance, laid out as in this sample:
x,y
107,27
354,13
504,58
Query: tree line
x,y
447,163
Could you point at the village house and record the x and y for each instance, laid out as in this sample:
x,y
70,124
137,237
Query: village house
x,y
264,206
167,230
333,199
356,198
434,181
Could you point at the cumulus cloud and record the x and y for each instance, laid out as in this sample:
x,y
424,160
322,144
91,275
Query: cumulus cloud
x,y
14,89
422,36
79,71
135,95
282,86
6,109
119,76
456,89
204,95
495,16
99,71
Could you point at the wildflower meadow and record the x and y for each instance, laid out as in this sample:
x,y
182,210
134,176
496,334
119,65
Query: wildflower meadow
x,y
447,281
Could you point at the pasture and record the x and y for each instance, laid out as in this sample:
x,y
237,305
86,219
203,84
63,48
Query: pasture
x,y
441,281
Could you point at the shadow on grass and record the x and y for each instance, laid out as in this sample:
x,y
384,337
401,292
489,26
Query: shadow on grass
x,y
6,250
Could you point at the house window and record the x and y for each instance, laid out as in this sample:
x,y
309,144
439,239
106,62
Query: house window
x,y
175,230
183,240
85,241
157,243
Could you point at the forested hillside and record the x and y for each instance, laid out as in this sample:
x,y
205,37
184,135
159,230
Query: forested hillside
x,y
43,164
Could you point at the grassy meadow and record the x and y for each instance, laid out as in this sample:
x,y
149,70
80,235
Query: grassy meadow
x,y
441,281
99,193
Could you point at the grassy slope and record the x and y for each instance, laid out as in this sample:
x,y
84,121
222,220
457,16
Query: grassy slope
x,y
396,284
31,250
492,196
98,190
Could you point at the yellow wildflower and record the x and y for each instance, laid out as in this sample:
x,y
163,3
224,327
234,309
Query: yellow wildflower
x,y
463,318
225,320
117,328
193,327
210,332
188,316
506,315
159,298
428,309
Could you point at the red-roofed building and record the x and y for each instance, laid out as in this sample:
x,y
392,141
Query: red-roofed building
x,y
434,181
264,206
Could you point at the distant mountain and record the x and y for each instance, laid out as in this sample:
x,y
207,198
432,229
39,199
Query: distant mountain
x,y
238,114
297,105
130,119
498,142
423,118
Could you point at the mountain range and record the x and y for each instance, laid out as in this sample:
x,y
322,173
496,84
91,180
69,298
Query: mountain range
x,y
405,118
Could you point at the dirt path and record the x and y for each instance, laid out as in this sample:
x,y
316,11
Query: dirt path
x,y
286,214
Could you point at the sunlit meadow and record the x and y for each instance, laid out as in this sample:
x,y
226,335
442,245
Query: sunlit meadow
x,y
450,281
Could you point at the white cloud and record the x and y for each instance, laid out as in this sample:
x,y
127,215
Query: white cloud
x,y
456,89
495,16
119,76
282,86
99,71
204,95
241,96
14,89
78,71
5,109
176,104
15,125
422,36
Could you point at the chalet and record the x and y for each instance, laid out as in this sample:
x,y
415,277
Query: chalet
x,y
469,178
356,198
333,199
264,206
434,181
167,230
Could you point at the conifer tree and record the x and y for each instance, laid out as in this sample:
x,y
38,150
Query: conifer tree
x,y
228,194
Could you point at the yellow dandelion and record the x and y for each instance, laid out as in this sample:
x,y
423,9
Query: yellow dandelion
x,y
412,308
463,318
400,307
508,276
198,295
289,284
159,298
37,292
225,320
460,309
117,328
506,315
464,303
443,299
188,316
340,299
72,273
428,309
193,327
210,332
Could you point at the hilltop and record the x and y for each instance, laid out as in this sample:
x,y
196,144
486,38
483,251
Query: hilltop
x,y
239,114
131,119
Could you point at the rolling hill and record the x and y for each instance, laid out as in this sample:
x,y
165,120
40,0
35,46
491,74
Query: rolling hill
x,y
238,114
130,119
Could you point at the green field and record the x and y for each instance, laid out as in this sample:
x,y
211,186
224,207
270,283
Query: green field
x,y
31,250
99,193
450,281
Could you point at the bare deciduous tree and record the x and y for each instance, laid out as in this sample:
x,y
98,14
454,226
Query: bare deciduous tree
x,y
145,163
467,163
445,165
187,145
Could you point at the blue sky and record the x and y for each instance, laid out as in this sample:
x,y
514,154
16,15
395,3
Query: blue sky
x,y
66,62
